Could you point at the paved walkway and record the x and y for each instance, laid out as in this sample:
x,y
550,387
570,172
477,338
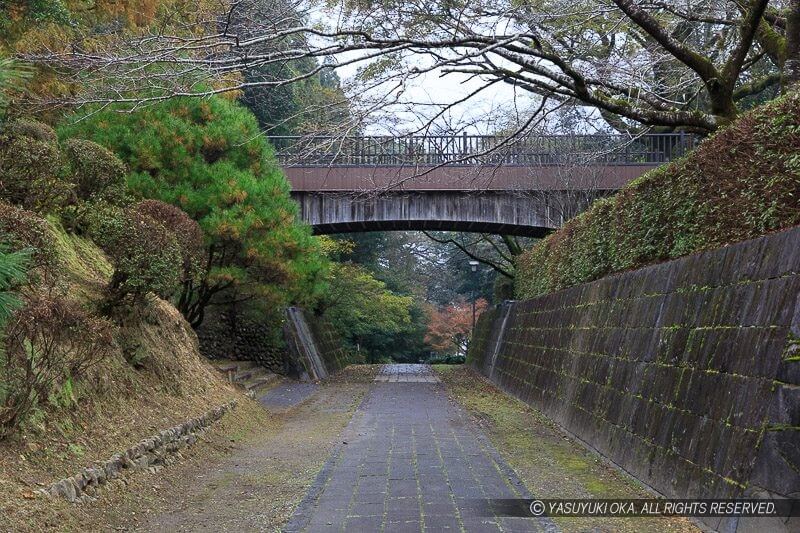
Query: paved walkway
x,y
411,461
406,374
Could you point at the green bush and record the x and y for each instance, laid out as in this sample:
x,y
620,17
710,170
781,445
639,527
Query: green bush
x,y
24,230
49,342
30,168
187,232
445,360
96,172
739,184
33,130
502,289
146,255
208,158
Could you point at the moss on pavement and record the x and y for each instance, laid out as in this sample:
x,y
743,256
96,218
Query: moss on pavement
x,y
550,462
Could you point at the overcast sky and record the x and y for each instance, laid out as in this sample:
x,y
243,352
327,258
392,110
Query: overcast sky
x,y
480,113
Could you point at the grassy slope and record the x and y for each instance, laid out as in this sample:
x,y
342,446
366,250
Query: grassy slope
x,y
115,405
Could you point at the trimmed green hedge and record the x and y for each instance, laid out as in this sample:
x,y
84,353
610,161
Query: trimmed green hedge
x,y
739,184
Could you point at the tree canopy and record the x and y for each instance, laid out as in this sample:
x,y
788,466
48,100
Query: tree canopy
x,y
208,158
692,66
450,326
363,310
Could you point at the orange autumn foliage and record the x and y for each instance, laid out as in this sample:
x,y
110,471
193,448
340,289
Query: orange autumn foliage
x,y
450,327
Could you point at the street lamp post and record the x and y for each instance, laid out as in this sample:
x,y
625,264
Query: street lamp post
x,y
474,267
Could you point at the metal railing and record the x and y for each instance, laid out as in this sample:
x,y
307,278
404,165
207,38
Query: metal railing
x,y
474,150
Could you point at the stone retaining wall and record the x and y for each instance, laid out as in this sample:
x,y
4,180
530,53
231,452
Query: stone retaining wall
x,y
148,453
329,344
227,333
686,373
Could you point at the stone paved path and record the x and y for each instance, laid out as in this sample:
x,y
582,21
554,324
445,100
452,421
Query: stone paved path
x,y
411,461
406,374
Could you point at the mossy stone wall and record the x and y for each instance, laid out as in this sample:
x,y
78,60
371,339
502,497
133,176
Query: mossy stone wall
x,y
329,344
685,373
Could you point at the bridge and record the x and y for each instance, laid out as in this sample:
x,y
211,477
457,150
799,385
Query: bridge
x,y
491,184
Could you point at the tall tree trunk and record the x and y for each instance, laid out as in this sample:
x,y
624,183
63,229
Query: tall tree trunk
x,y
791,67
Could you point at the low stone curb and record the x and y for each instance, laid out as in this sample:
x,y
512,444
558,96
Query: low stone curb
x,y
150,453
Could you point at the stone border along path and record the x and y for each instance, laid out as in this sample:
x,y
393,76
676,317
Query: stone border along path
x,y
151,452
411,461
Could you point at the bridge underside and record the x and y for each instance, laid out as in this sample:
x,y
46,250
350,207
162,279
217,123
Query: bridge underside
x,y
531,214
429,225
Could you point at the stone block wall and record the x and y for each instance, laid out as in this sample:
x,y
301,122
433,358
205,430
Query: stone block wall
x,y
329,344
227,333
685,373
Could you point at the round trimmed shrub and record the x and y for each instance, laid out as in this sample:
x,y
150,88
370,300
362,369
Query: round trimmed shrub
x,y
47,341
30,168
96,172
25,230
146,255
33,130
186,230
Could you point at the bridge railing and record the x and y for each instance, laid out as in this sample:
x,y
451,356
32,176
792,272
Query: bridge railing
x,y
473,150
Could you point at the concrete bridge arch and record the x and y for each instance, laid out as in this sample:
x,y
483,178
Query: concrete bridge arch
x,y
452,183
500,212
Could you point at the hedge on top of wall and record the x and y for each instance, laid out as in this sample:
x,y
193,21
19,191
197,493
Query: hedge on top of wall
x,y
739,184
